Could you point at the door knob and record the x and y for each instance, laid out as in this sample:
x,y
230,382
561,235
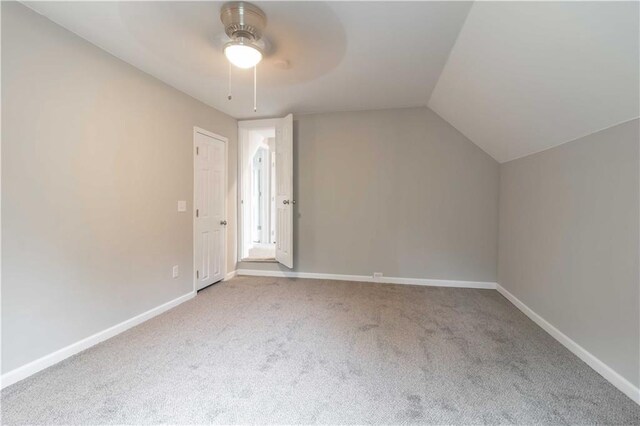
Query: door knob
x,y
285,201
223,222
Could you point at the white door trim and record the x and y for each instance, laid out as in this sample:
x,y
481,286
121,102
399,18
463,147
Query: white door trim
x,y
224,140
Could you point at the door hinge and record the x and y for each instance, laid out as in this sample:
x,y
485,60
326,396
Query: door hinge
x,y
197,274
197,150
197,213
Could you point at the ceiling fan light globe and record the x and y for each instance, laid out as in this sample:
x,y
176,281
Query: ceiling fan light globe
x,y
242,55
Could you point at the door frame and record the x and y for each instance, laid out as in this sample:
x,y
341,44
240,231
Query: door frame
x,y
225,141
243,129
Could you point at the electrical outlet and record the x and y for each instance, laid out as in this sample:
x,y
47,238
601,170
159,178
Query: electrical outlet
x,y
176,271
182,206
377,275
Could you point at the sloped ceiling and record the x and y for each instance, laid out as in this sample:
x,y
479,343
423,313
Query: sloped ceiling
x,y
526,76
514,77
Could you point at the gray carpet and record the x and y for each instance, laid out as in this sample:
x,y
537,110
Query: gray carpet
x,y
267,350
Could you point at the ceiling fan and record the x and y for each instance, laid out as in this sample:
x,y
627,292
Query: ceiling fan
x,y
243,23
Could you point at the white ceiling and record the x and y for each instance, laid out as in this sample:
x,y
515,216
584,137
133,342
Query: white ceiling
x,y
521,77
342,55
525,76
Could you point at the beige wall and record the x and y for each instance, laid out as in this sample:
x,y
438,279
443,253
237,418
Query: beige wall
x,y
394,191
95,156
569,241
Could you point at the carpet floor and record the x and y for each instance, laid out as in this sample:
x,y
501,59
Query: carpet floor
x,y
275,350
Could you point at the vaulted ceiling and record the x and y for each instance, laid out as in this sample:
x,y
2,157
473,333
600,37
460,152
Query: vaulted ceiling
x,y
526,76
514,77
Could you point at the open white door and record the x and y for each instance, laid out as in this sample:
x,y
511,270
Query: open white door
x,y
284,192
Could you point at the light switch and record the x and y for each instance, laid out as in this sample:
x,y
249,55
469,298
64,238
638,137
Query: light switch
x,y
182,206
176,271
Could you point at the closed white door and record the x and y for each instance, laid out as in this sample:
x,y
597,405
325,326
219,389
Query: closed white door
x,y
209,208
284,192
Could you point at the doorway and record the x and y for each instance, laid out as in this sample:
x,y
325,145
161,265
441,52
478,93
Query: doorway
x,y
265,173
258,200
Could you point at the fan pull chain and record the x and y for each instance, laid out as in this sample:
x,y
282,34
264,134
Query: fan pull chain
x,y
229,91
255,88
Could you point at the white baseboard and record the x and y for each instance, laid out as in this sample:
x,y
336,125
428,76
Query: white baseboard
x,y
600,367
604,370
368,278
33,367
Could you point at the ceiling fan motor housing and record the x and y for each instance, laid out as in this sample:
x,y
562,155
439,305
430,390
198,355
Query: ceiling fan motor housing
x,y
243,20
